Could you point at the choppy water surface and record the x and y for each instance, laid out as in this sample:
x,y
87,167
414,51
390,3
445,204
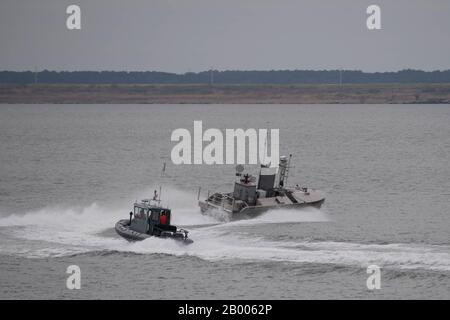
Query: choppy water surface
x,y
69,172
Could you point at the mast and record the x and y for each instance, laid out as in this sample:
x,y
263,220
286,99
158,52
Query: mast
x,y
156,196
284,170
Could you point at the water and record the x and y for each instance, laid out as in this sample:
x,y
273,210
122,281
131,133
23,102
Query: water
x,y
69,172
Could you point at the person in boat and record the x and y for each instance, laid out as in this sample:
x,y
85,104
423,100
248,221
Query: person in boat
x,y
141,214
163,223
163,218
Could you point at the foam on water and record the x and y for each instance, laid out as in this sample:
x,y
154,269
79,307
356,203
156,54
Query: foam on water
x,y
283,215
213,245
60,231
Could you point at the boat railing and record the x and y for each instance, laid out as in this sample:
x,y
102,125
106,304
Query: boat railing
x,y
218,198
227,199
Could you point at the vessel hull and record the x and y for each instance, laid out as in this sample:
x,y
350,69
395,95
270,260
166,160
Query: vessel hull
x,y
122,228
254,211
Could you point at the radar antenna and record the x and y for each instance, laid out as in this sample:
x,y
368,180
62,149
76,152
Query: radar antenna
x,y
284,166
239,170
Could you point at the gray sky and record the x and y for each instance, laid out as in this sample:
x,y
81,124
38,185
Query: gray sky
x,y
193,35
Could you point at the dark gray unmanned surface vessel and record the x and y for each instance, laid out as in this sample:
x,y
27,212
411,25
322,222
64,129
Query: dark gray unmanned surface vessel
x,y
251,198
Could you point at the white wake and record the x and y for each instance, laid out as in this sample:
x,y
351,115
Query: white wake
x,y
61,231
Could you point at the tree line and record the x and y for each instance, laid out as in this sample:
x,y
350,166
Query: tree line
x,y
225,77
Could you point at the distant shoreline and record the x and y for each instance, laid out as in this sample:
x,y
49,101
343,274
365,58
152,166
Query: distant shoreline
x,y
385,93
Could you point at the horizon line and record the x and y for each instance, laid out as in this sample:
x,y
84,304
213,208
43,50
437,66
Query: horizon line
x,y
234,70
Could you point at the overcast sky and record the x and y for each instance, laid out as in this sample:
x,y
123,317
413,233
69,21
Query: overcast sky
x,y
195,35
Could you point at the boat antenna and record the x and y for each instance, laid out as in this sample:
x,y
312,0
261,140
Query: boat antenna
x,y
199,190
288,167
265,149
163,172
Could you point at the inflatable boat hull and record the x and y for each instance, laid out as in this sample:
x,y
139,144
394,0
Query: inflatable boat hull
x,y
123,229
